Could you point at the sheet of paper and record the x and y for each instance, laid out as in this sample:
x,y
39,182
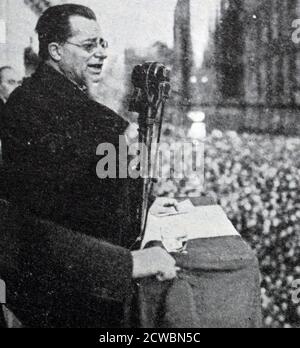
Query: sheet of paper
x,y
200,222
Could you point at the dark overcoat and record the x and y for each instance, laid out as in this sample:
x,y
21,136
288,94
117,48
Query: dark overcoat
x,y
1,106
50,132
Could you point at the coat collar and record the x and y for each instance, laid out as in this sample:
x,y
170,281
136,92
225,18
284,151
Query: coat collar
x,y
52,84
57,82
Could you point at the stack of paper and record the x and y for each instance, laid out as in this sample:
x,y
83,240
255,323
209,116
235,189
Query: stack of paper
x,y
199,222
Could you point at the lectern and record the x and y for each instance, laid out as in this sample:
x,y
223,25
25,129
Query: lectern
x,y
218,287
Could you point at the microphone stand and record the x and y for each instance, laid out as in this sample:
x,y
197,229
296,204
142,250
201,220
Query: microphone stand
x,y
152,89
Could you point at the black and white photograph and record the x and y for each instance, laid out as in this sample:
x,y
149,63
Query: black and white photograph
x,y
149,166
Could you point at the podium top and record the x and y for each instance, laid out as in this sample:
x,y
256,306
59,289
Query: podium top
x,y
198,223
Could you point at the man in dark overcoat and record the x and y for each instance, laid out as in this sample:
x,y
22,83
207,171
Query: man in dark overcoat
x,y
73,269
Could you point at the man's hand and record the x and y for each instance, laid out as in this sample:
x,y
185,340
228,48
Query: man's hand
x,y
164,205
154,261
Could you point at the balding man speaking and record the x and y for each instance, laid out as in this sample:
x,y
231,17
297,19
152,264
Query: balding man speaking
x,y
52,127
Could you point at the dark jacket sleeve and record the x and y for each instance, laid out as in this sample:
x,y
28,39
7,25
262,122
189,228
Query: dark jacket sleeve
x,y
44,263
84,264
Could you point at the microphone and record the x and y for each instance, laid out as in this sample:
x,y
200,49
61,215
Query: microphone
x,y
151,82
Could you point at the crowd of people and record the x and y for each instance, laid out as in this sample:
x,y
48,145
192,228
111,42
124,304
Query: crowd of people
x,y
256,179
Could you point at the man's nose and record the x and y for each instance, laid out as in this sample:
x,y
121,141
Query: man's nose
x,y
100,52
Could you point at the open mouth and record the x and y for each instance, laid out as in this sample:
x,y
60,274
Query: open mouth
x,y
96,67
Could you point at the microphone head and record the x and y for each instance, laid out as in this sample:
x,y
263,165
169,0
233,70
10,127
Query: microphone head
x,y
151,81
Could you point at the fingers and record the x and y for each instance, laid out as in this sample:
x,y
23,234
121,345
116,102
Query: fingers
x,y
154,262
168,275
168,269
166,265
162,277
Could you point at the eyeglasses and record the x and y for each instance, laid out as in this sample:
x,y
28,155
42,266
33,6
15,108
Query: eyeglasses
x,y
92,46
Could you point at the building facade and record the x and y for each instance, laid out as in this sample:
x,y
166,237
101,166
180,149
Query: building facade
x,y
253,67
255,52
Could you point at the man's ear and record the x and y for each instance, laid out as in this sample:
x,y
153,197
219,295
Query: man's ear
x,y
55,51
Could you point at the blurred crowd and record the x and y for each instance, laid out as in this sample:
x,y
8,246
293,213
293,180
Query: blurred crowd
x,y
256,179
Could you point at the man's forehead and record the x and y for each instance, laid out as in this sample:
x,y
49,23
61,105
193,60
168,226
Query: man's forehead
x,y
84,28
